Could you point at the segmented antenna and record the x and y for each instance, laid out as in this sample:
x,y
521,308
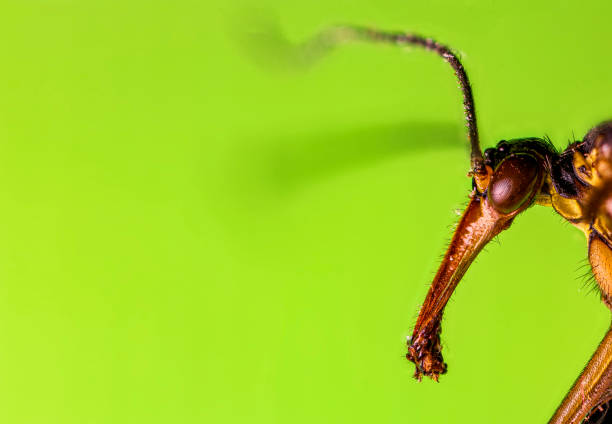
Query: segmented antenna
x,y
338,35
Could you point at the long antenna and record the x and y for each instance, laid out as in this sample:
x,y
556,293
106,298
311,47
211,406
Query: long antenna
x,y
337,35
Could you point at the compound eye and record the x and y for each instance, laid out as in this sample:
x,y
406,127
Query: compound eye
x,y
513,183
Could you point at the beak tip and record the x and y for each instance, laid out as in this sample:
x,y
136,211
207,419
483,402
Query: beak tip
x,y
427,358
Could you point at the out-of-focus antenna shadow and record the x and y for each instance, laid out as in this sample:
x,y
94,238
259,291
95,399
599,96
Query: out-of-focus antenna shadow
x,y
296,162
260,37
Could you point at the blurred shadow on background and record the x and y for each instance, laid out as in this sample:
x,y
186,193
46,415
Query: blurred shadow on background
x,y
298,161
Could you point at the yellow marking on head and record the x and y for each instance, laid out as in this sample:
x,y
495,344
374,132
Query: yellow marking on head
x,y
569,209
482,180
583,167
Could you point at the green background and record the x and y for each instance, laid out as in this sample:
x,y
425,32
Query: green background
x,y
191,237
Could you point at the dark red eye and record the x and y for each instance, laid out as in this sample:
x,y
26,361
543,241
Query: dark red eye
x,y
513,182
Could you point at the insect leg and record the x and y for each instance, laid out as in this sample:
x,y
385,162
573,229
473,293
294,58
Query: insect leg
x,y
593,388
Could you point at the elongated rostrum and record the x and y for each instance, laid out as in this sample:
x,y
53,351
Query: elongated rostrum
x,y
506,180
